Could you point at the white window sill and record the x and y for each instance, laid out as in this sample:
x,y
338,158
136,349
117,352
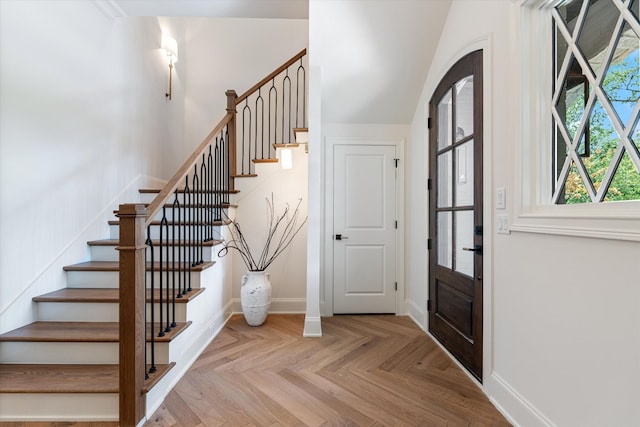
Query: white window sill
x,y
617,221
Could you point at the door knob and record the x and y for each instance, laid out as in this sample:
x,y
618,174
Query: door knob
x,y
341,237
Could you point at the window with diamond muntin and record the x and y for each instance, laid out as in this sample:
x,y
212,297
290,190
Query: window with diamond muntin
x,y
596,101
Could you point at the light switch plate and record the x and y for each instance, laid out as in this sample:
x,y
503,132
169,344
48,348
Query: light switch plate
x,y
503,224
501,198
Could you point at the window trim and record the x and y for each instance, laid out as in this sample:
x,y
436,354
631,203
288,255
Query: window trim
x,y
534,211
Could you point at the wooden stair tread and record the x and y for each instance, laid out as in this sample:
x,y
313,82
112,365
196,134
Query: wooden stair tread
x,y
245,175
115,266
59,379
286,145
170,223
33,378
181,190
265,160
109,295
182,205
81,332
116,242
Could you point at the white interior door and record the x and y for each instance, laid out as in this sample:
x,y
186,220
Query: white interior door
x,y
364,235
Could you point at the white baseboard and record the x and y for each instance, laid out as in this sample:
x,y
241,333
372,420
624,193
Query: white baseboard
x,y
518,410
417,314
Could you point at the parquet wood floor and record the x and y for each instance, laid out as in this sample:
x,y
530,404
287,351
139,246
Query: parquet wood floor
x,y
364,371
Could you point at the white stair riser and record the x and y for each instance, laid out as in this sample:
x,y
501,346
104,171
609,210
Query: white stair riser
x,y
95,312
59,406
110,279
189,214
86,353
190,233
109,253
149,197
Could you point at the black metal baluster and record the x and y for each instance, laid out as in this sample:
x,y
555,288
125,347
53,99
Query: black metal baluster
x,y
226,176
210,194
304,95
202,208
161,271
288,128
174,272
164,268
260,100
188,213
178,207
246,116
149,243
194,232
216,181
273,91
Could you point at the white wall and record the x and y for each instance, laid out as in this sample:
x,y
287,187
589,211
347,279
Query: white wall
x,y
228,53
85,122
561,313
82,99
288,272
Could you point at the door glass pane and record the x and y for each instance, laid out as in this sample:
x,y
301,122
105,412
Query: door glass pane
x,y
445,190
464,239
464,107
444,121
464,174
444,239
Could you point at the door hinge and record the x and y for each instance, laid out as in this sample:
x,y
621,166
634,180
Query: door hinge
x,y
429,123
396,162
429,184
396,225
429,305
429,244
396,286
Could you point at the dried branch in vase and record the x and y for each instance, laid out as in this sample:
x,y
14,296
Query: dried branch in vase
x,y
282,229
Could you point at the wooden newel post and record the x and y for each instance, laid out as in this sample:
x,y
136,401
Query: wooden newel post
x,y
231,108
132,313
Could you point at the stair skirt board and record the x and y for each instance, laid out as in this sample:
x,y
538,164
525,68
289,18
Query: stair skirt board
x,y
59,407
192,349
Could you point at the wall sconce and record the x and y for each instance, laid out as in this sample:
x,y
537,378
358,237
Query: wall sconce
x,y
170,46
302,137
286,158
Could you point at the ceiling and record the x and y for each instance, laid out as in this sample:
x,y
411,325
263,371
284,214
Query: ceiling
x,y
285,9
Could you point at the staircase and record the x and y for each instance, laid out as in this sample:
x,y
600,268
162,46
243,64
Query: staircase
x,y
70,354
110,346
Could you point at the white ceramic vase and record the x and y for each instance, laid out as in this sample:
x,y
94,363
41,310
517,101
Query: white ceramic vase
x,y
255,297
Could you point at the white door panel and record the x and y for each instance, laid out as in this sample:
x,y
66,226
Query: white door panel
x,y
364,216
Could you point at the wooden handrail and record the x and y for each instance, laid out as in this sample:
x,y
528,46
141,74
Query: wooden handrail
x,y
177,179
264,81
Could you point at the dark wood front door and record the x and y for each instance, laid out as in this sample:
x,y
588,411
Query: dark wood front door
x,y
455,212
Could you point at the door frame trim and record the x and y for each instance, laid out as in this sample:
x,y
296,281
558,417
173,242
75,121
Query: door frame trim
x,y
326,290
483,43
